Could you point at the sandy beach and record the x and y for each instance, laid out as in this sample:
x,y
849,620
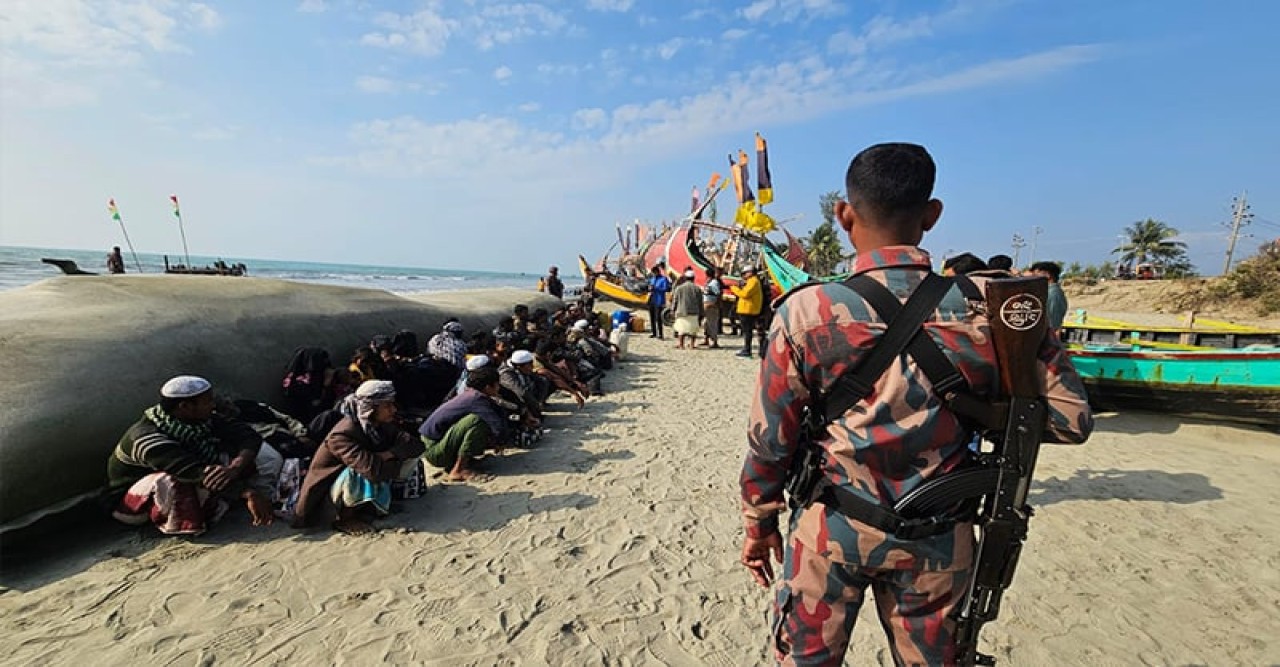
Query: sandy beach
x,y
616,541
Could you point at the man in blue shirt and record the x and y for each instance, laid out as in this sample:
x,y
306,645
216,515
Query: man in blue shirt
x,y
1056,307
659,285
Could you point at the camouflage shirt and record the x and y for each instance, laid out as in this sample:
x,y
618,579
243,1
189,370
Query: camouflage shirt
x,y
899,436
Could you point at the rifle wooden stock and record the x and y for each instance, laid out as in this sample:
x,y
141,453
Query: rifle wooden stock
x,y
1017,314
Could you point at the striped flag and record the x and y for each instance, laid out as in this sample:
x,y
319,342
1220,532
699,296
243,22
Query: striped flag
x,y
111,207
177,212
764,182
740,184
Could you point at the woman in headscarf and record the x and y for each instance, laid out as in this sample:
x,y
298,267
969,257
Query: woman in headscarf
x,y
350,477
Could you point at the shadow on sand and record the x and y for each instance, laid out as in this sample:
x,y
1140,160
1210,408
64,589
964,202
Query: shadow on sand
x,y
1141,485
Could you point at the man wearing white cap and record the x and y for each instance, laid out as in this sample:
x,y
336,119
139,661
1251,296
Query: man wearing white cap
x,y
174,464
527,387
686,304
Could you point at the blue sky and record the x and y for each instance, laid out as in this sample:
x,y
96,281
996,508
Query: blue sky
x,y
500,135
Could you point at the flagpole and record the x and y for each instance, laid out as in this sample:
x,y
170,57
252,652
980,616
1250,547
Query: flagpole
x,y
115,213
177,213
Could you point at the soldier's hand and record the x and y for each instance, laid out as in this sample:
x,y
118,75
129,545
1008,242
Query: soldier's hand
x,y
755,556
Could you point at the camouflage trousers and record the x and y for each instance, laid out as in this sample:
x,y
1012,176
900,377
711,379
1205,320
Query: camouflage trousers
x,y
818,600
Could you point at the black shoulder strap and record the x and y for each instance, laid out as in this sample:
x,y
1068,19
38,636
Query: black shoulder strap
x,y
904,322
943,374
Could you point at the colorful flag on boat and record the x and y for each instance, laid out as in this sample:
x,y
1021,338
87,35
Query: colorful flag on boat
x,y
115,212
177,212
764,182
711,184
696,199
740,183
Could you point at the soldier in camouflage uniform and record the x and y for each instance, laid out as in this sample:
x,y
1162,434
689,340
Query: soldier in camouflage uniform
x,y
898,437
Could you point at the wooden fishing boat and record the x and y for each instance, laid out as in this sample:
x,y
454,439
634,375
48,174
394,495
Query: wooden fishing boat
x,y
219,268
611,286
67,266
1231,384
1084,329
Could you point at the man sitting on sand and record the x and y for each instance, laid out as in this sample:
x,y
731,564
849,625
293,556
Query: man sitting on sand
x,y
175,464
460,431
449,345
351,474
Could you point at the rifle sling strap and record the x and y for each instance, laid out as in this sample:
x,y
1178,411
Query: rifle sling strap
x,y
904,326
905,333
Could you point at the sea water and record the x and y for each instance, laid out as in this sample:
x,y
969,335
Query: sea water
x,y
22,266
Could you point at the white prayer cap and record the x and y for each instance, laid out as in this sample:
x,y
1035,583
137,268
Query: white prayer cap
x,y
522,357
477,362
581,325
376,391
688,273
185,386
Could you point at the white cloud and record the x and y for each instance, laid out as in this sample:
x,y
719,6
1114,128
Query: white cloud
x,y
562,69
64,53
589,119
383,85
423,33
610,5
428,31
502,73
529,107
312,6
755,10
783,94
782,11
733,34
883,30
205,16
506,23
216,133
668,49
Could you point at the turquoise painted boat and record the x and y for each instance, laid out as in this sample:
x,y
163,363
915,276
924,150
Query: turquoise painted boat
x,y
1231,384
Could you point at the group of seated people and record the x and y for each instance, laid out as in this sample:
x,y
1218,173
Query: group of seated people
x,y
350,440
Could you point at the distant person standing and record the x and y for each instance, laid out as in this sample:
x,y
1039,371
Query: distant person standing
x,y
711,294
115,261
552,283
659,285
1057,303
750,303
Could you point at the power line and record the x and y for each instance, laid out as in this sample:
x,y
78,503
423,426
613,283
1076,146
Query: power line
x,y
1240,217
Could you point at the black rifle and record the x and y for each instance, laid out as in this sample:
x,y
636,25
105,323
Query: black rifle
x,y
1017,314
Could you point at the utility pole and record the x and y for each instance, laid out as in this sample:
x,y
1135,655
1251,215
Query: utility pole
x,y
1240,216
1018,244
1035,236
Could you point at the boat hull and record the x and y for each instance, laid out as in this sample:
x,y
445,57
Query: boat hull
x,y
604,288
1234,385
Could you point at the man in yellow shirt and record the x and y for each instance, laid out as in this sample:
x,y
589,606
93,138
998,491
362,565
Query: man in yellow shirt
x,y
750,303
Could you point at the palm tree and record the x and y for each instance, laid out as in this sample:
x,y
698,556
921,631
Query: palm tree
x,y
823,245
1152,241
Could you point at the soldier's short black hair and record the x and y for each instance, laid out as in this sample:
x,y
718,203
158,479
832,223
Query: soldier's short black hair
x,y
891,182
1000,262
